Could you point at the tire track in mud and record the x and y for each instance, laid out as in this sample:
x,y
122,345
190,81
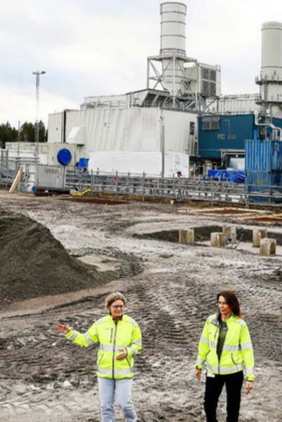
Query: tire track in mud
x,y
170,337
130,264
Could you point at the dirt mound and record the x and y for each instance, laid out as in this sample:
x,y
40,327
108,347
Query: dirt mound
x,y
33,263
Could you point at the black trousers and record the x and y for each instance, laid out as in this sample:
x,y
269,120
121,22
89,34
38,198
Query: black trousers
x,y
233,384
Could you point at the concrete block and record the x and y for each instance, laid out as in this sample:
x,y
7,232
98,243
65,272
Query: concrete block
x,y
267,247
186,236
258,234
230,232
218,240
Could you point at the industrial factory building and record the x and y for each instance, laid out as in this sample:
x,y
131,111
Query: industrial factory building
x,y
132,122
178,121
182,110
159,119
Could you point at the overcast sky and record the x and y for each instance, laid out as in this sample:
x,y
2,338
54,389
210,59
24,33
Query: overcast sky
x,y
100,47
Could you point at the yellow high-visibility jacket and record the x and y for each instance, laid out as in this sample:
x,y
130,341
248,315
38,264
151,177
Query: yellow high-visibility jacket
x,y
112,336
237,353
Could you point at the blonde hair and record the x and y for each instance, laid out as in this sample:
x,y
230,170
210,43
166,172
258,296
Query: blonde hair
x,y
113,297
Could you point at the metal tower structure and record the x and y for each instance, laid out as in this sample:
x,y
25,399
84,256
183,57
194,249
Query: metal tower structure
x,y
189,83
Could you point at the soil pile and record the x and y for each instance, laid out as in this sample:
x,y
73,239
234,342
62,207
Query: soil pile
x,y
33,263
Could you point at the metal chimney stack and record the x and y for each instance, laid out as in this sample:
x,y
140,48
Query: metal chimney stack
x,y
173,42
270,79
187,83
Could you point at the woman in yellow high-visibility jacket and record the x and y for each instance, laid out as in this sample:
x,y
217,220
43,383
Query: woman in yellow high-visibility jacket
x,y
225,350
119,338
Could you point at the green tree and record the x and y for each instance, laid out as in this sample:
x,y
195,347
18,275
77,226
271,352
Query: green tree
x,y
42,132
27,132
7,134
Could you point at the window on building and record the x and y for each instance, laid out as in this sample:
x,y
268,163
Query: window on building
x,y
210,123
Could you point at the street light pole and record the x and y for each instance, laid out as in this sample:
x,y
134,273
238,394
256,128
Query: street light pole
x,y
37,74
19,128
162,120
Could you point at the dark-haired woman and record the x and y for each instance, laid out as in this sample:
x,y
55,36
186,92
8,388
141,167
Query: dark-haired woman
x,y
225,351
119,339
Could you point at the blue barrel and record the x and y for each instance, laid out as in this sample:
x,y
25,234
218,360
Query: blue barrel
x,y
64,156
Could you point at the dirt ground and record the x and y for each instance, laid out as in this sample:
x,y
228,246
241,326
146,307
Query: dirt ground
x,y
170,287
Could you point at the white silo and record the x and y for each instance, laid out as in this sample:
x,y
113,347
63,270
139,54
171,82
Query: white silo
x,y
270,78
173,42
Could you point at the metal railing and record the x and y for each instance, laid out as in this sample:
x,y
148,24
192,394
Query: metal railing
x,y
8,172
176,188
264,194
130,185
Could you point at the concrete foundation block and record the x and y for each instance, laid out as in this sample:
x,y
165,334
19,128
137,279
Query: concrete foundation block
x,y
186,236
218,240
230,232
267,247
258,234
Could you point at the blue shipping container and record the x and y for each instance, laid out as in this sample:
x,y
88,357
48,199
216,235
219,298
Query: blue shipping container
x,y
263,155
263,166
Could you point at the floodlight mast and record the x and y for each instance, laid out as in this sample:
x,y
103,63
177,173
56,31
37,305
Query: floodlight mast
x,y
37,74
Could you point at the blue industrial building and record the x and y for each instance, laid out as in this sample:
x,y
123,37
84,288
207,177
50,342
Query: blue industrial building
x,y
223,135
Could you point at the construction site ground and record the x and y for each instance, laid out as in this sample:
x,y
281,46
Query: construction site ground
x,y
60,259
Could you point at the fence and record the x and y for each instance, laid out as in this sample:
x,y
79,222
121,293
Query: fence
x,y
265,194
8,171
129,185
175,188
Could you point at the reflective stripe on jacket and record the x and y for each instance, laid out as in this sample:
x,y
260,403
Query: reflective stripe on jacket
x,y
237,352
112,336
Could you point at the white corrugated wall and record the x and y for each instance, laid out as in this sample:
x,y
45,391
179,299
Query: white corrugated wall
x,y
133,129
55,127
128,129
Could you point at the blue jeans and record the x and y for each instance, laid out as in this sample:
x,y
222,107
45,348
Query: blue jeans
x,y
118,391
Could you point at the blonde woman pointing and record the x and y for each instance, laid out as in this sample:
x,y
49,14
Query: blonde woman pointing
x,y
119,338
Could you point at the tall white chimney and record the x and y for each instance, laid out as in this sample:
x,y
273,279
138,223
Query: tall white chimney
x,y
270,78
173,44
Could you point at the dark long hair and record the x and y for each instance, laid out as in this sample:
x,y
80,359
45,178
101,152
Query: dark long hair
x,y
232,301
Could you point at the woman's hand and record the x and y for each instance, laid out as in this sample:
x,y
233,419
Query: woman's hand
x,y
62,328
198,374
123,355
249,386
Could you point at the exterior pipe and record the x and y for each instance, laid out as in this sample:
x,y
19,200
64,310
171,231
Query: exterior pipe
x,y
272,126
